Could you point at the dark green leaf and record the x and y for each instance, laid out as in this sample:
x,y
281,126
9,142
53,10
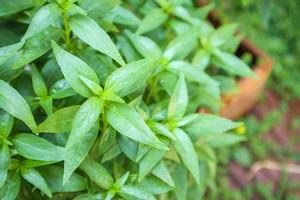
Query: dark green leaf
x,y
8,51
9,7
6,123
4,163
10,189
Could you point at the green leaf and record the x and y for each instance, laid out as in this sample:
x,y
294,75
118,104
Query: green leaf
x,y
36,179
11,187
220,140
128,122
130,77
94,87
180,178
98,8
233,64
88,196
125,17
131,192
83,135
161,129
6,123
53,176
154,185
161,171
153,19
46,104
97,173
91,33
72,67
8,51
205,124
111,153
144,45
151,158
9,7
43,18
61,89
128,147
38,83
185,148
222,35
4,163
181,45
107,139
36,46
58,122
201,59
179,99
12,102
37,148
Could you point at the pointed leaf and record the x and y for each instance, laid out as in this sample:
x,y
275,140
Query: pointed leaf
x,y
128,122
6,123
91,33
179,99
8,51
11,187
130,77
37,148
83,135
72,67
132,192
153,19
38,84
185,148
43,18
161,171
36,179
12,102
4,163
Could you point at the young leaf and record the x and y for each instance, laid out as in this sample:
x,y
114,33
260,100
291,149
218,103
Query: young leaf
x,y
161,129
6,123
12,102
83,135
36,179
37,148
233,64
154,18
130,77
185,148
11,187
44,17
144,45
179,99
97,173
94,87
128,122
53,176
8,51
58,122
222,35
91,33
72,67
38,83
4,163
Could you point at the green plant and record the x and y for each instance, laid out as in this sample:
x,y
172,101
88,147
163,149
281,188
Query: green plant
x,y
110,127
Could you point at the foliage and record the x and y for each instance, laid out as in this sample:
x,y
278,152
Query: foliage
x,y
98,99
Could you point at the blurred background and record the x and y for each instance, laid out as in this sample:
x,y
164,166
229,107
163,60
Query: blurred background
x,y
267,165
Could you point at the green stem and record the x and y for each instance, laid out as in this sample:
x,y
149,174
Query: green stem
x,y
152,87
67,28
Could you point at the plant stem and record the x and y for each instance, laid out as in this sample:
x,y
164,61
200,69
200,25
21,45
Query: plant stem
x,y
67,27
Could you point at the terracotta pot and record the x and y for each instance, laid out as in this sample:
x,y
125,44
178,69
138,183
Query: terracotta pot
x,y
236,105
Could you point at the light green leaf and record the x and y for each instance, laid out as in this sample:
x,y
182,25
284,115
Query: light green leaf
x,y
8,51
83,135
37,148
36,46
43,18
58,122
154,185
181,45
220,140
233,64
201,59
38,84
6,123
72,67
94,87
53,176
144,45
153,19
130,77
128,147
97,173
205,124
132,192
12,102
179,99
185,148
128,122
46,104
161,171
11,187
4,163
36,179
98,8
222,35
161,129
108,137
61,89
91,33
